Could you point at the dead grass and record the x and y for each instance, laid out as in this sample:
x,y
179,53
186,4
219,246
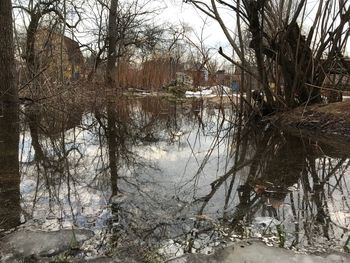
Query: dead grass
x,y
336,108
331,118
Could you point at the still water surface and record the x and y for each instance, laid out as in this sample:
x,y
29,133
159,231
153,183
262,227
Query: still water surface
x,y
151,175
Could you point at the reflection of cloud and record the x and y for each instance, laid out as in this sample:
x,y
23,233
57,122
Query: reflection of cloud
x,y
159,196
26,154
341,218
183,162
154,153
86,202
45,191
166,193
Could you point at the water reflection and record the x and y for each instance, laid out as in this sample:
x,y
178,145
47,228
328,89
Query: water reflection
x,y
149,173
292,187
10,209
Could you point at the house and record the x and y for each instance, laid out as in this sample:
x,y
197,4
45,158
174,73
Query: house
x,y
221,76
53,51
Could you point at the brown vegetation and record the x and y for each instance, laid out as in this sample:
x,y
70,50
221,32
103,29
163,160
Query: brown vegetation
x,y
273,47
324,118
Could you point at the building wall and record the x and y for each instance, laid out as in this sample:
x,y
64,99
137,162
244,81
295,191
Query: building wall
x,y
48,54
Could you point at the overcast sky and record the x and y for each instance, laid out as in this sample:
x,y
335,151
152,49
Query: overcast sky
x,y
176,12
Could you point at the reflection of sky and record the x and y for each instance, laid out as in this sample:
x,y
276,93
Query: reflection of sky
x,y
176,163
180,163
162,185
86,200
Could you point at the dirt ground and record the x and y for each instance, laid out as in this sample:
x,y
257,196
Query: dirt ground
x,y
331,119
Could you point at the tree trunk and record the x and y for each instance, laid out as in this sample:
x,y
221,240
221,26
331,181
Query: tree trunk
x,y
30,44
113,151
10,208
9,166
7,64
112,45
110,95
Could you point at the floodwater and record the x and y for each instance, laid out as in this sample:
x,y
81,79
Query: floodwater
x,y
157,178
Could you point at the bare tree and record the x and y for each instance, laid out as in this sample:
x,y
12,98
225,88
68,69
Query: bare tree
x,y
112,44
36,12
7,65
134,35
9,172
282,49
200,53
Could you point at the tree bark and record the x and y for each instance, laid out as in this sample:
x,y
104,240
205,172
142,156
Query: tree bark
x,y
7,64
9,166
30,44
110,96
112,45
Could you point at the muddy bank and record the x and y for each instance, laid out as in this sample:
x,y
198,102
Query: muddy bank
x,y
257,252
26,244
324,119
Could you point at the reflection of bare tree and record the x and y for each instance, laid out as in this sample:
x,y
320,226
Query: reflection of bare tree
x,y
47,127
278,161
127,123
121,130
97,155
10,209
259,168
